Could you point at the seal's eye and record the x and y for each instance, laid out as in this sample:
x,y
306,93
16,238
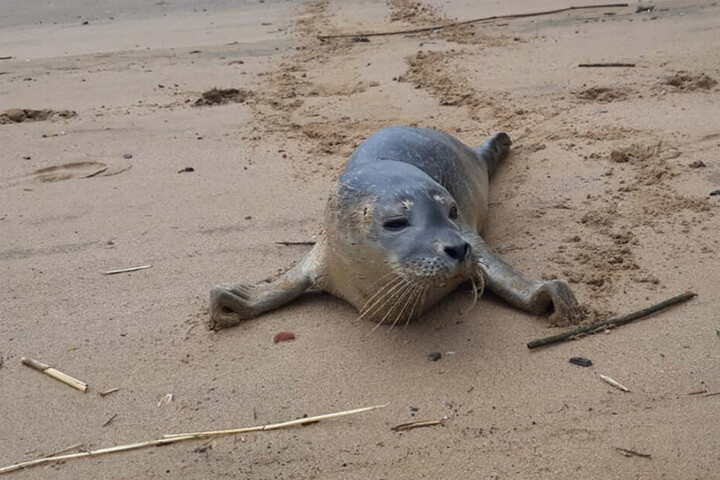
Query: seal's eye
x,y
453,213
396,224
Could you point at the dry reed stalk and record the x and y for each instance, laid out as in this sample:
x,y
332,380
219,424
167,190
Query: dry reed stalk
x,y
56,374
180,438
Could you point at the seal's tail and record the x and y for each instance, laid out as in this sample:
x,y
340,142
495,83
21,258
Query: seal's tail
x,y
494,150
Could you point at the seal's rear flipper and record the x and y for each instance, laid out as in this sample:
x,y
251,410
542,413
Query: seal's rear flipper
x,y
494,150
232,303
532,296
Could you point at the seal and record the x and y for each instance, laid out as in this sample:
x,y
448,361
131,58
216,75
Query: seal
x,y
402,230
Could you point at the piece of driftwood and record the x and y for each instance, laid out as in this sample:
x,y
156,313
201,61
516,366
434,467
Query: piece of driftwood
x,y
273,426
295,243
468,22
613,322
6,58
56,374
409,426
613,383
168,439
126,270
601,65
108,392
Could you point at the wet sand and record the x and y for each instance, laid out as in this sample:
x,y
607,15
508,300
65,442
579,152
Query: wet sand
x,y
607,186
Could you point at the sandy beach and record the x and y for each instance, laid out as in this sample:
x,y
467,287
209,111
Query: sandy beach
x,y
125,163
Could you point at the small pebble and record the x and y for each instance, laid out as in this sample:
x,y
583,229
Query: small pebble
x,y
715,193
186,169
434,356
581,361
127,156
283,337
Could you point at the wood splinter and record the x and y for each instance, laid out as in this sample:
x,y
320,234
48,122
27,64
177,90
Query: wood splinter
x,y
56,374
409,426
613,383
126,270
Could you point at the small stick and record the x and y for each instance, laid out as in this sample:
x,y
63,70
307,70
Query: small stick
x,y
110,420
410,426
632,453
613,383
711,394
6,58
274,426
698,392
175,438
468,22
125,270
56,374
108,392
601,65
294,243
613,322
63,450
97,172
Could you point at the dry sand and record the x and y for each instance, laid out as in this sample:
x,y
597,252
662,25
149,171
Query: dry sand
x,y
608,187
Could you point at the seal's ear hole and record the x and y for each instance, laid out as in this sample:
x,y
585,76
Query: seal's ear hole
x,y
453,213
227,310
396,224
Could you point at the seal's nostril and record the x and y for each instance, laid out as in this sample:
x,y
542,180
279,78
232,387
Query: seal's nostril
x,y
458,252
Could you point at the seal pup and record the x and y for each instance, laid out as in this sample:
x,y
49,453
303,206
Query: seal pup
x,y
402,230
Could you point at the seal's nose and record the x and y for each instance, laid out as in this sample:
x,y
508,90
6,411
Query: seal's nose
x,y
458,252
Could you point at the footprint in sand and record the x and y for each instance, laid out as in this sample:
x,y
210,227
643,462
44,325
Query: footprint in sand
x,y
72,170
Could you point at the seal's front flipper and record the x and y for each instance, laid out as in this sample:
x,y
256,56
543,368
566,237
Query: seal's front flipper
x,y
230,304
532,296
494,150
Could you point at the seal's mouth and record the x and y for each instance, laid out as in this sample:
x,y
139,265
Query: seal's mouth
x,y
400,295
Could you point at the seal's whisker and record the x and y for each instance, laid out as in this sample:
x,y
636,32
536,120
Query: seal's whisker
x,y
408,298
379,293
406,286
382,292
389,301
419,299
379,303
396,301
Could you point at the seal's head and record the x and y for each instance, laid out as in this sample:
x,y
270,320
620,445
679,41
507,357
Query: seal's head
x,y
400,228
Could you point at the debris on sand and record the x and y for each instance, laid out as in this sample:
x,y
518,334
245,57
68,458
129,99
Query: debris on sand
x,y
581,361
690,82
222,96
410,426
632,453
283,337
434,356
614,383
56,374
20,115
